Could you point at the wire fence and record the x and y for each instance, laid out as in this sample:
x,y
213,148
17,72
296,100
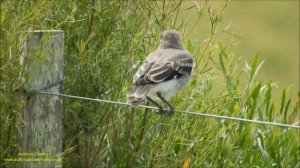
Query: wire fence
x,y
179,111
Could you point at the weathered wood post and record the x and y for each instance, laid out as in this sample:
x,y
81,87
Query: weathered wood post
x,y
42,61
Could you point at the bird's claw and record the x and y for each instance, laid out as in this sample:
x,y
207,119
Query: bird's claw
x,y
169,112
161,111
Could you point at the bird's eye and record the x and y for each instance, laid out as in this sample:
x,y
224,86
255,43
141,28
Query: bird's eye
x,y
161,36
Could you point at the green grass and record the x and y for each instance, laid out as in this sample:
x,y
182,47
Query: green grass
x,y
103,42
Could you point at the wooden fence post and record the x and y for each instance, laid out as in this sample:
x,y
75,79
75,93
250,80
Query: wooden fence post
x,y
42,62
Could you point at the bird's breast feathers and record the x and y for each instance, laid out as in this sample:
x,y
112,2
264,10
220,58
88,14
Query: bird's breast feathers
x,y
168,89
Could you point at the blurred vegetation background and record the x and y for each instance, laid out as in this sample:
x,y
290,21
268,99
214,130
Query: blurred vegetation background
x,y
268,27
106,41
272,29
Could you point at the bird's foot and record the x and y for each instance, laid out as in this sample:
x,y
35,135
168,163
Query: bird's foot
x,y
170,111
161,111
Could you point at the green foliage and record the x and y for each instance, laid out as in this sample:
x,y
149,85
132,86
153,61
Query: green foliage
x,y
105,42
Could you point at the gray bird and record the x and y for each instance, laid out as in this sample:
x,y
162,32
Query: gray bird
x,y
162,74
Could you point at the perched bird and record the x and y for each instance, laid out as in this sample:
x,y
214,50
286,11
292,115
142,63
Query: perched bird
x,y
163,73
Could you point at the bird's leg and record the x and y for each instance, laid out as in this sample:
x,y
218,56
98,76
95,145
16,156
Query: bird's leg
x,y
171,108
161,110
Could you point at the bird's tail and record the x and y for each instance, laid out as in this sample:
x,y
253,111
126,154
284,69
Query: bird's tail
x,y
138,94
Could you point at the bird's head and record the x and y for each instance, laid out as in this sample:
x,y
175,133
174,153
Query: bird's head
x,y
170,39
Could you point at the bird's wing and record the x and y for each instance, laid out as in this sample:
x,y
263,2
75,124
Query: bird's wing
x,y
167,68
146,66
